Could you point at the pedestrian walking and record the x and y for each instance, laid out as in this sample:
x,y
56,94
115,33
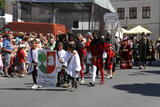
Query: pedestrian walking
x,y
33,61
73,65
110,39
143,51
109,60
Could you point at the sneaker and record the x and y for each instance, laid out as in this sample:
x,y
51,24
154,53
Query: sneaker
x,y
22,76
111,76
108,76
39,86
71,89
141,67
13,76
8,76
66,85
101,82
35,86
76,84
92,84
82,81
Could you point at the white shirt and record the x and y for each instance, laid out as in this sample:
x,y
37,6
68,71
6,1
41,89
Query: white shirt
x,y
73,65
34,55
60,56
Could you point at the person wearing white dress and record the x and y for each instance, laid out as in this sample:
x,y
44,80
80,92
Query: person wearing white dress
x,y
73,65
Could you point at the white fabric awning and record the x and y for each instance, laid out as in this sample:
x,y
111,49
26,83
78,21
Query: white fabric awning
x,y
105,4
139,29
124,30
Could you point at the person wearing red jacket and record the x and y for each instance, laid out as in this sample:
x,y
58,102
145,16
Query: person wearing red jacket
x,y
109,61
97,49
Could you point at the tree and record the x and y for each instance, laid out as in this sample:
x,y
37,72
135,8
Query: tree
x,y
2,7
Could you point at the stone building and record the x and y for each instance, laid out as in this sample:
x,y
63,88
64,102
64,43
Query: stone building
x,y
81,15
139,12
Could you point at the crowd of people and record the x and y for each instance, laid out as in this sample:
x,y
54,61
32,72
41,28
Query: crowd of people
x,y
77,55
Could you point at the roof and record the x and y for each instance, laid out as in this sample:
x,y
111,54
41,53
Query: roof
x,y
103,3
58,1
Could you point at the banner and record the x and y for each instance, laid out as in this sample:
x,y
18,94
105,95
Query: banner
x,y
47,76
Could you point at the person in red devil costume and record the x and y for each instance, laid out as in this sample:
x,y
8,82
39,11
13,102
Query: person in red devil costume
x,y
97,48
109,60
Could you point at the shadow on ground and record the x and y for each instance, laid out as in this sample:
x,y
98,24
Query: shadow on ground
x,y
152,72
29,89
155,63
145,72
148,89
16,89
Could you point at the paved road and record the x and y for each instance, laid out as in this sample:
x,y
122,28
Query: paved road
x,y
129,88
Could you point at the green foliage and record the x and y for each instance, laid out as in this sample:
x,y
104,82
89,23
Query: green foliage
x,y
2,3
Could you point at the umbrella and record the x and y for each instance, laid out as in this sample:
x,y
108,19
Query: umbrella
x,y
139,29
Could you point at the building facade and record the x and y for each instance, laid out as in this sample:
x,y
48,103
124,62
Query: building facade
x,y
79,15
139,12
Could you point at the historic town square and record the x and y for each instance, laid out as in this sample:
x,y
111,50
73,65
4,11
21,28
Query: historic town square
x,y
79,53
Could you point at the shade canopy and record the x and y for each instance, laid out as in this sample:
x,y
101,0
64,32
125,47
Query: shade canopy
x,y
139,29
124,30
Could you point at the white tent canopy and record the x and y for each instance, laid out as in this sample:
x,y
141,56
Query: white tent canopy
x,y
139,29
105,4
124,30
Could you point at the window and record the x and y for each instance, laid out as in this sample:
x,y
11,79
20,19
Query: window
x,y
146,12
26,8
121,13
75,24
1,12
42,11
133,13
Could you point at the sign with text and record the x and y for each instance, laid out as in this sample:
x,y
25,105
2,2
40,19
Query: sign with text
x,y
110,17
47,77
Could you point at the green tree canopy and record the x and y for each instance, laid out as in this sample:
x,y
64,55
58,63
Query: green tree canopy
x,y
2,4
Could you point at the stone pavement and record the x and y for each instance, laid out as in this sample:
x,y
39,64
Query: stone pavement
x,y
129,88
